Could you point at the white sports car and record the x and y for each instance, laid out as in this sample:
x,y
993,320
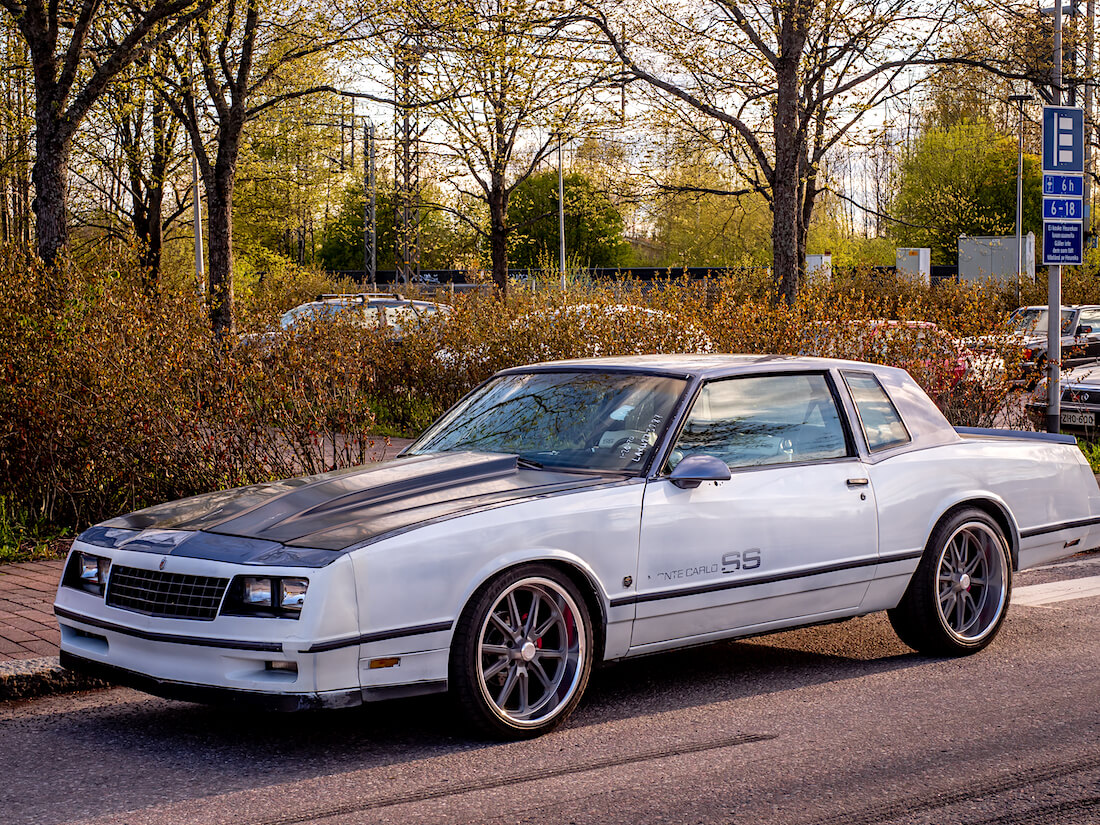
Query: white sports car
x,y
574,512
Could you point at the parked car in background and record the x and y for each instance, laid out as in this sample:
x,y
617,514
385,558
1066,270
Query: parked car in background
x,y
391,313
938,360
1080,400
582,331
1080,337
568,513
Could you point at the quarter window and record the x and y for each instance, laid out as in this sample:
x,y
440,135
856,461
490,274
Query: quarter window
x,y
882,426
767,419
1090,318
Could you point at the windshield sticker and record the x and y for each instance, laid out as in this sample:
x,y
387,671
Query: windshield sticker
x,y
636,447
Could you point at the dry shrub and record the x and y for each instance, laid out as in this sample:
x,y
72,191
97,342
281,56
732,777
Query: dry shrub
x,y
953,338
112,399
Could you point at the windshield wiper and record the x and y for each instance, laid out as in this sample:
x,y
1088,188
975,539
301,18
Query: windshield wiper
x,y
527,463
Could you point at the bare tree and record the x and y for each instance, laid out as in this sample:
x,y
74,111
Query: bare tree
x,y
75,53
16,119
244,61
132,165
776,84
507,79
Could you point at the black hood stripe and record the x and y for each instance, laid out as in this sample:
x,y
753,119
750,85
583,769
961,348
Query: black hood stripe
x,y
309,522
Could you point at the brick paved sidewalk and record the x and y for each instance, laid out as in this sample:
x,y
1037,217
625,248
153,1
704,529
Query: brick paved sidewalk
x,y
28,628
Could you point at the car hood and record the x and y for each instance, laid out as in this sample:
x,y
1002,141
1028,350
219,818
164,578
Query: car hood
x,y
309,521
1084,374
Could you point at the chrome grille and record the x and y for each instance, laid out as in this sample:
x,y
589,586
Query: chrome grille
x,y
1081,395
170,595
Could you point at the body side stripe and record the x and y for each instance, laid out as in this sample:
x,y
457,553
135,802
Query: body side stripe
x,y
1063,525
770,579
381,636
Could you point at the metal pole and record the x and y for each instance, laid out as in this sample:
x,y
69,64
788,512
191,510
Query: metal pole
x,y
1019,100
561,218
370,226
1054,276
200,269
1090,11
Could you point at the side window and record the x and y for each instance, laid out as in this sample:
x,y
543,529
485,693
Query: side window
x,y
1090,318
767,419
882,426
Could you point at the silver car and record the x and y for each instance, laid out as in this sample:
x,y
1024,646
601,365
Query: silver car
x,y
568,513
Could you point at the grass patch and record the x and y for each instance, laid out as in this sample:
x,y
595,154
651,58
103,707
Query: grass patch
x,y
24,538
1091,449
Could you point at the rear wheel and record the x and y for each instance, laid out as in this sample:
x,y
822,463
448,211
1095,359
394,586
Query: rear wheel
x,y
958,597
522,653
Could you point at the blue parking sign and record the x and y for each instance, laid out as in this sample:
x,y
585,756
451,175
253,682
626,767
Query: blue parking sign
x,y
1063,139
1063,209
1062,243
1065,186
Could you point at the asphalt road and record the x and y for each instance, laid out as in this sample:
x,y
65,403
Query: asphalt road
x,y
839,724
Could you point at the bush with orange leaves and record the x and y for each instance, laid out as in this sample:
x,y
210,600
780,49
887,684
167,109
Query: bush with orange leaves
x,y
112,399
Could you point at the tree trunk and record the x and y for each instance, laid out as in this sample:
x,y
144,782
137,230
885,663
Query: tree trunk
x,y
498,235
219,218
154,239
50,176
789,143
785,186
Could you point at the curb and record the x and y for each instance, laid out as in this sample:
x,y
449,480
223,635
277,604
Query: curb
x,y
44,676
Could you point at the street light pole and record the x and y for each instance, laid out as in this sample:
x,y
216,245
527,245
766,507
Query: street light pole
x,y
196,197
561,219
1020,100
370,187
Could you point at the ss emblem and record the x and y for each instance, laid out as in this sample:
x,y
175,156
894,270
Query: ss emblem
x,y
741,560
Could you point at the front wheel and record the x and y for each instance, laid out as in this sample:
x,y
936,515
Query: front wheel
x,y
958,597
522,653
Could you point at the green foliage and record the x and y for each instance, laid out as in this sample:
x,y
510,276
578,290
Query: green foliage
x,y
962,181
1091,449
26,538
268,284
693,229
444,243
593,225
849,250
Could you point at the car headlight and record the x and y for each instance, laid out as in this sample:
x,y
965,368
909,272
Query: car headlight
x,y
266,596
88,573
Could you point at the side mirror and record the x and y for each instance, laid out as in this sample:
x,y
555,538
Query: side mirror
x,y
695,469
1084,329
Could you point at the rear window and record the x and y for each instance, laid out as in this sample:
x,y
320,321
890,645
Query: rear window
x,y
882,426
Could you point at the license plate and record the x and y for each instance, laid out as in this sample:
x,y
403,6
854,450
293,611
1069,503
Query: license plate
x,y
1078,419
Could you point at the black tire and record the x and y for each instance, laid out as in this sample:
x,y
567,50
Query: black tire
x,y
958,597
522,653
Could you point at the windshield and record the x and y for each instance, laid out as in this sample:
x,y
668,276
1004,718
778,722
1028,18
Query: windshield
x,y
1032,320
561,420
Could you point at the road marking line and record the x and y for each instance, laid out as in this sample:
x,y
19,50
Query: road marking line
x,y
1038,595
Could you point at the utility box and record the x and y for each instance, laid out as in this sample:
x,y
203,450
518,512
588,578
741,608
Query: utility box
x,y
915,263
820,266
995,258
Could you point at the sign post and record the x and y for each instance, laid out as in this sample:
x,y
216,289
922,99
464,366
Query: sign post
x,y
1063,216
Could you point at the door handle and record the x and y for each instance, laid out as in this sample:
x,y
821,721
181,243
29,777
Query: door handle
x,y
858,482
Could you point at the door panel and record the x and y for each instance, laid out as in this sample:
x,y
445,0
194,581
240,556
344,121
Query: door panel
x,y
791,535
768,545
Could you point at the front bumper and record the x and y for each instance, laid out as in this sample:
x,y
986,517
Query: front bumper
x,y
210,694
253,656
